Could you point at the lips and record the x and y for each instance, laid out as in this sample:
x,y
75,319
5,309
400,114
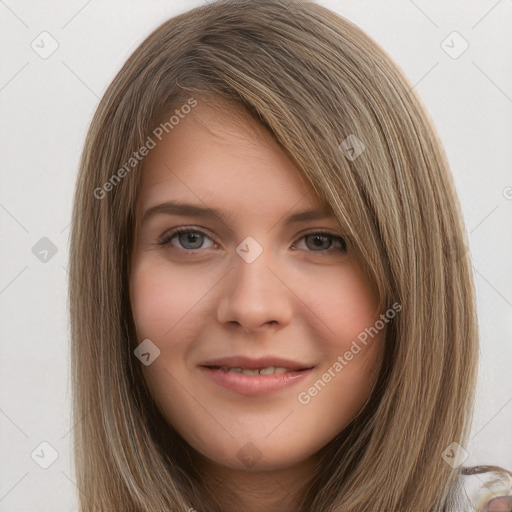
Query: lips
x,y
269,370
269,365
255,377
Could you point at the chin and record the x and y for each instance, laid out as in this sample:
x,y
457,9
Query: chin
x,y
255,456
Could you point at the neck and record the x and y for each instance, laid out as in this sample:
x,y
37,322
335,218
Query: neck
x,y
258,491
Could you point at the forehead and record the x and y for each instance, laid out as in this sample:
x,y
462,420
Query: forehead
x,y
223,157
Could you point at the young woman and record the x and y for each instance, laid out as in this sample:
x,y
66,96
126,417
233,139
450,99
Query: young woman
x,y
269,309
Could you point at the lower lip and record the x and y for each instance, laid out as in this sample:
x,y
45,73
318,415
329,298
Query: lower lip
x,y
254,385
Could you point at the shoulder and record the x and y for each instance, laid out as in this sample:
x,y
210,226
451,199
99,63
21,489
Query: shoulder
x,y
476,486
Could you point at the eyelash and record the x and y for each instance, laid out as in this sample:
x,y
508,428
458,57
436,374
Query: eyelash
x,y
166,238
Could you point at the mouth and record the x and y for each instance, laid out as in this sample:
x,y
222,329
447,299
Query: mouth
x,y
268,370
252,377
268,365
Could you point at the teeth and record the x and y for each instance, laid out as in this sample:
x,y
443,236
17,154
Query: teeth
x,y
269,370
250,372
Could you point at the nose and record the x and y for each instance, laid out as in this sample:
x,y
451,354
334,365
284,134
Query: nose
x,y
254,296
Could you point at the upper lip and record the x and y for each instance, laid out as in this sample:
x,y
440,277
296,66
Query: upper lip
x,y
253,364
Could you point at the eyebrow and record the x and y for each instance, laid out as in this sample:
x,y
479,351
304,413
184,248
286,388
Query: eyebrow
x,y
192,210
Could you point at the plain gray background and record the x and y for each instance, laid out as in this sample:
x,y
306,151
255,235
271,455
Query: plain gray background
x,y
46,106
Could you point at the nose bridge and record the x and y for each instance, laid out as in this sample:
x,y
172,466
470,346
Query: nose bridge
x,y
254,296
251,273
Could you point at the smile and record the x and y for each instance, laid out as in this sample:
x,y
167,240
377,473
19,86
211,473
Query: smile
x,y
254,381
269,370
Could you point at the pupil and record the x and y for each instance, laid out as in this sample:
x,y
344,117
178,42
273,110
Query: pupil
x,y
319,242
193,239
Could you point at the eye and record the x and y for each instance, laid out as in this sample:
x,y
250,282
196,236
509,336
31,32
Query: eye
x,y
188,239
191,239
323,242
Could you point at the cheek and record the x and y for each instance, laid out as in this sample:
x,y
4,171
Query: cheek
x,y
340,306
161,297
169,307
354,306
165,308
342,316
336,396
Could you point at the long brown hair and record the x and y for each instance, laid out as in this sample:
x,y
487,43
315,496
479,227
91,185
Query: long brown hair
x,y
313,79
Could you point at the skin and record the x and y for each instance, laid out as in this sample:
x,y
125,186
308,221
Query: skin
x,y
293,302
501,504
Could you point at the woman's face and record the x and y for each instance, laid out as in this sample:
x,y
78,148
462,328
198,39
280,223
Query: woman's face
x,y
261,286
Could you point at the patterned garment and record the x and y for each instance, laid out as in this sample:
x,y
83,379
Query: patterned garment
x,y
481,489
